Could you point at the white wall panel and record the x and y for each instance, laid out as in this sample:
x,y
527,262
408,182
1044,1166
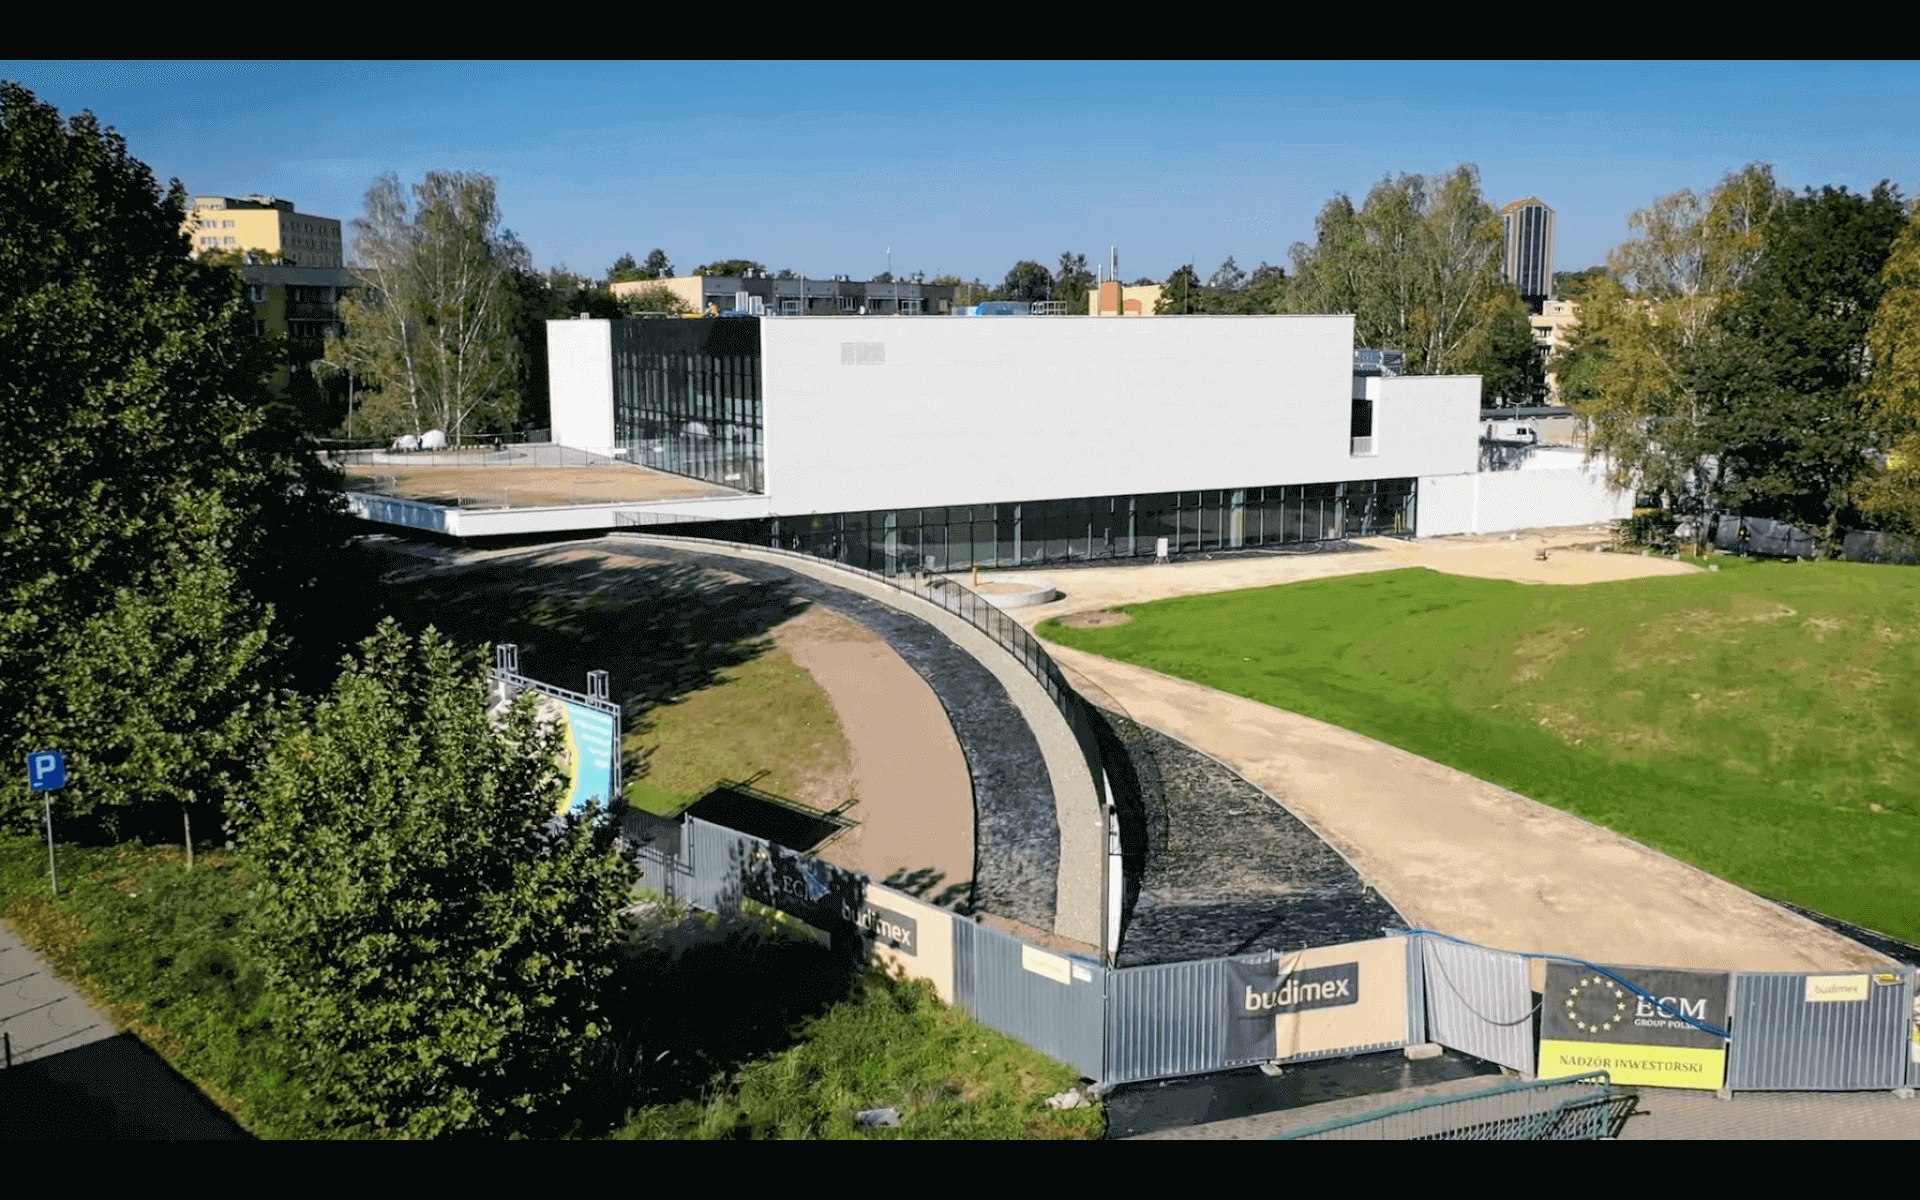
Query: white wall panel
x,y
1011,408
580,379
1545,499
1422,425
1446,504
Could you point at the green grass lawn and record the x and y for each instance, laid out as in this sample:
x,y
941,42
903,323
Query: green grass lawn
x,y
1761,722
767,715
732,1029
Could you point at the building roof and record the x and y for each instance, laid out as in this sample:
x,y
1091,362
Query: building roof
x,y
1529,202
280,273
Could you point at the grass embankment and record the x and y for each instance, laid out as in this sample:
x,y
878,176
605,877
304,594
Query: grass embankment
x,y
726,1030
708,695
1761,722
767,715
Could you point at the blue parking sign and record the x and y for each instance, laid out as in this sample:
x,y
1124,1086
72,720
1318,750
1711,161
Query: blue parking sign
x,y
46,770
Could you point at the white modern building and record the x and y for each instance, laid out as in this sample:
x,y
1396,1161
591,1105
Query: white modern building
x,y
942,444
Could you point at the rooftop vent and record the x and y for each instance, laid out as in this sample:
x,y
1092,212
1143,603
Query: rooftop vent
x,y
1379,362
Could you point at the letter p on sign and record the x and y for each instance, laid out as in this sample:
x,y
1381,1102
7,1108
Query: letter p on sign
x,y
46,770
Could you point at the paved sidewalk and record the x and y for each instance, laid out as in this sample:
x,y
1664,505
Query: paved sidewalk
x,y
73,1077
1665,1114
41,1016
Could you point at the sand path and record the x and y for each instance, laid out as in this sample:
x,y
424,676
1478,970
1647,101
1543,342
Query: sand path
x,y
1452,852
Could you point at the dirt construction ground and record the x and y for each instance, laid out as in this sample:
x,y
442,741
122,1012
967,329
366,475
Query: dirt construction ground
x,y
915,798
1451,852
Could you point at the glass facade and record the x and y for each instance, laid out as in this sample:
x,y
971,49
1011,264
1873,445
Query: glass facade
x,y
1036,532
686,397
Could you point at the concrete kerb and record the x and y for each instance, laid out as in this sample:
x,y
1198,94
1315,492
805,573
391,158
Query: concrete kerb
x,y
1080,904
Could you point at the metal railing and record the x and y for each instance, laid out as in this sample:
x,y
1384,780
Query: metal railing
x,y
940,590
471,452
1580,1108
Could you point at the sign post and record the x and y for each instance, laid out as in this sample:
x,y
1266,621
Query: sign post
x,y
47,770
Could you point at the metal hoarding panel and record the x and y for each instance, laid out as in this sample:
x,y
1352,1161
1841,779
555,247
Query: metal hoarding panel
x,y
1186,1018
1479,1002
1789,1035
1913,1041
1167,1020
1014,988
721,861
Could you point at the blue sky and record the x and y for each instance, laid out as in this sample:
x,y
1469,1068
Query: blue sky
x,y
968,167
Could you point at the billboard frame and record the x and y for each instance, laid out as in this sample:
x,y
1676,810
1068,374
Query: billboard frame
x,y
506,672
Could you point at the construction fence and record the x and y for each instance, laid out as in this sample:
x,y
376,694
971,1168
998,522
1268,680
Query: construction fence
x,y
1657,1026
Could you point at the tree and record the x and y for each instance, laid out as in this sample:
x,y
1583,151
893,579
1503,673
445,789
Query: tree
x,y
1511,366
1633,367
624,270
432,329
243,258
1028,281
1575,285
657,266
1786,385
729,266
1181,294
1418,267
1227,277
1072,282
1266,291
1893,392
656,299
437,938
156,515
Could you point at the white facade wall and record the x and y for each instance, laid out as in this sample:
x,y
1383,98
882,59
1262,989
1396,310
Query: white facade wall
x,y
1010,408
1553,488
580,379
1422,425
878,412
1446,504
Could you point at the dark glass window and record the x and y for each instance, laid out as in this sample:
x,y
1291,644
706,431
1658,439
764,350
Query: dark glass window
x,y
687,397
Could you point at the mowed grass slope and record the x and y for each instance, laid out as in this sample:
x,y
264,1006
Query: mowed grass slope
x,y
767,715
1761,722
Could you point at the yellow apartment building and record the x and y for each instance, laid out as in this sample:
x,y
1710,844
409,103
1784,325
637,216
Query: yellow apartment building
x,y
265,223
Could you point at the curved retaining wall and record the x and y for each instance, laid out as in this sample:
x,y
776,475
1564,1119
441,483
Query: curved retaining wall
x,y
1041,840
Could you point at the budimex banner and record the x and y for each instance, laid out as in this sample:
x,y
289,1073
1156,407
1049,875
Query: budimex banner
x,y
1317,1000
1588,1022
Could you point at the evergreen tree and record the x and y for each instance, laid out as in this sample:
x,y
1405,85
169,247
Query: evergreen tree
x,y
437,937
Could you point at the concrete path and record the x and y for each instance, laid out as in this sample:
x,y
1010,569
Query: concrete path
x,y
73,1077
1451,852
1665,1114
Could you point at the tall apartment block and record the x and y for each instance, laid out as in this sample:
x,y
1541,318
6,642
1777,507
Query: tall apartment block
x,y
1528,228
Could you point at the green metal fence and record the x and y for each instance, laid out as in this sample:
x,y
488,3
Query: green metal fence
x,y
1579,1108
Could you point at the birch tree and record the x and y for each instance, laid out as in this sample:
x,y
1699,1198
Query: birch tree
x,y
1418,267
1633,370
432,326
